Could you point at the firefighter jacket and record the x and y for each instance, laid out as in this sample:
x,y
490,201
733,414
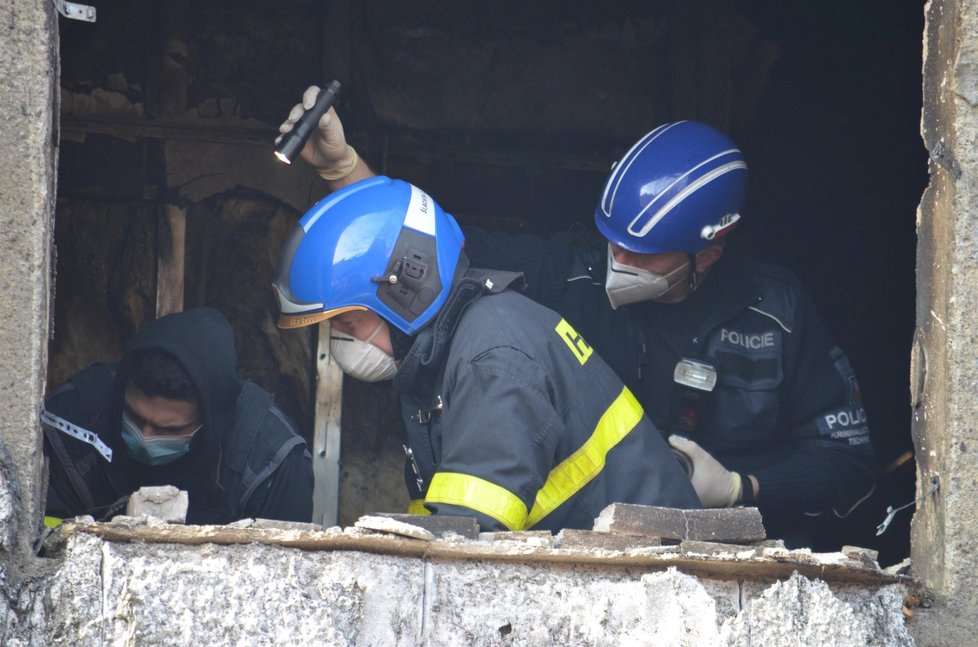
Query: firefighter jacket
x,y
246,460
786,406
513,418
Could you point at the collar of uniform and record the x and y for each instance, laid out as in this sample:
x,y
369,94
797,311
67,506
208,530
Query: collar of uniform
x,y
422,363
731,286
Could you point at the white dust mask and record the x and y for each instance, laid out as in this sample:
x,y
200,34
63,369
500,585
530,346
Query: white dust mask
x,y
361,359
626,284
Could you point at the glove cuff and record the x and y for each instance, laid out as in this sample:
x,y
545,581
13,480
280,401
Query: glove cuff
x,y
342,168
748,497
735,490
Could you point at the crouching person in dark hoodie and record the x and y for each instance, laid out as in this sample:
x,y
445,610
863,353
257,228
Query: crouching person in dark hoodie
x,y
174,411
510,416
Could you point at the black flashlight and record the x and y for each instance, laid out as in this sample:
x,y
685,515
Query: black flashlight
x,y
293,141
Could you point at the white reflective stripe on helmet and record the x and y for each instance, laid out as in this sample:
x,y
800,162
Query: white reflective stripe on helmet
x,y
685,193
626,161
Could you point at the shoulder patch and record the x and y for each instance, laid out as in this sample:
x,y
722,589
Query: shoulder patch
x,y
582,351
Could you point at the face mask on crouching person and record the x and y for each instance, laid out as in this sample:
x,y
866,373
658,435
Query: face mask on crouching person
x,y
154,450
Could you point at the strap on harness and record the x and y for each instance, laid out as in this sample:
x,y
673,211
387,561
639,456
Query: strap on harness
x,y
79,433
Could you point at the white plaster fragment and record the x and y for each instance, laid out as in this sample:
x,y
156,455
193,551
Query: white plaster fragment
x,y
393,526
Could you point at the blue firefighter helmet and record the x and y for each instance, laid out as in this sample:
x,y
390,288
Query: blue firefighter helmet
x,y
379,244
678,188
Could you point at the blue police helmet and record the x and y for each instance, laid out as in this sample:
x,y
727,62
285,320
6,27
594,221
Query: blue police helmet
x,y
678,188
379,244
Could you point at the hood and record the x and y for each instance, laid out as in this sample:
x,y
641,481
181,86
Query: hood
x,y
202,342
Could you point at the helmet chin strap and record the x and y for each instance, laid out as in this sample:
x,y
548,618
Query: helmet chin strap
x,y
692,272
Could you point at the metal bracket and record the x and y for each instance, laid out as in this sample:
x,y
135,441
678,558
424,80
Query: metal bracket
x,y
75,11
935,486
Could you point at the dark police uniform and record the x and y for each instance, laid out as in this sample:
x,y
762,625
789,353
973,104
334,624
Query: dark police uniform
x,y
786,406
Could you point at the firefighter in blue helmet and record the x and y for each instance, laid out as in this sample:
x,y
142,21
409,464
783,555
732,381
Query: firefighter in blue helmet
x,y
510,415
725,352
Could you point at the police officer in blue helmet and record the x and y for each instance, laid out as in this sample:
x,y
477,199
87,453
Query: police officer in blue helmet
x,y
510,416
726,353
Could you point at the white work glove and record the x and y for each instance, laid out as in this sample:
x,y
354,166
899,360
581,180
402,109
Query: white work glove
x,y
716,486
327,150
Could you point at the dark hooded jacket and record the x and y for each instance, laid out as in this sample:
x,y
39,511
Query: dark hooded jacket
x,y
246,461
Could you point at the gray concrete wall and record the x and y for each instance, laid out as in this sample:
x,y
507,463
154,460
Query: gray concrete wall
x,y
945,374
28,159
134,593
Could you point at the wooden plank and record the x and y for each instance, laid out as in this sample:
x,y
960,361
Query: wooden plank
x,y
326,433
171,245
172,218
762,566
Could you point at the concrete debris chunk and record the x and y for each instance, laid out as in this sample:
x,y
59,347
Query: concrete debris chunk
x,y
570,538
864,556
276,524
164,502
902,568
730,525
393,526
542,538
440,525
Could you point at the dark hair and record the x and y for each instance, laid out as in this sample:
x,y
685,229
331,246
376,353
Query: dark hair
x,y
156,373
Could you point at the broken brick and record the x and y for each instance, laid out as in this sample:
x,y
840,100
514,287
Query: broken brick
x,y
642,520
571,538
730,525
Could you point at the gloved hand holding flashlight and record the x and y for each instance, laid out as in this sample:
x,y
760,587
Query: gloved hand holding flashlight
x,y
326,150
716,486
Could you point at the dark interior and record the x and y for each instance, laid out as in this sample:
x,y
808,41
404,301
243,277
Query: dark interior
x,y
510,115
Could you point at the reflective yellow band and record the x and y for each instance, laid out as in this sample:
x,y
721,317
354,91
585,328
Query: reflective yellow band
x,y
417,507
574,341
479,495
578,469
52,522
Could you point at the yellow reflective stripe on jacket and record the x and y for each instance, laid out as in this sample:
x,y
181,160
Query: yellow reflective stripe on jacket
x,y
578,469
417,507
52,522
479,495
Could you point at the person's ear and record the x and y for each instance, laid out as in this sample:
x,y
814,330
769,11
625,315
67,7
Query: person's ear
x,y
707,257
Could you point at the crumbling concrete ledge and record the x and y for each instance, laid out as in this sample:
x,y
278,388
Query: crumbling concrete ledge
x,y
216,585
